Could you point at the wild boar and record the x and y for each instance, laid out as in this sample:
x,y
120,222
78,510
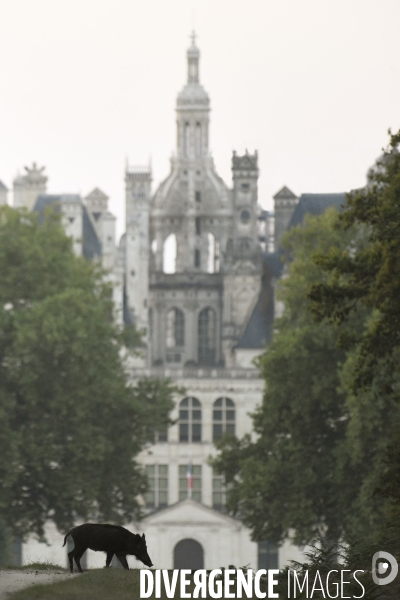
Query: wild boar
x,y
111,539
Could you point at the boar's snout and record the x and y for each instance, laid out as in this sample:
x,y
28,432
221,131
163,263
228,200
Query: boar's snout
x,y
142,554
147,562
143,557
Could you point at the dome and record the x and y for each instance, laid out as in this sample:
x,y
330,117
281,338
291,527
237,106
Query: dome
x,y
193,52
193,94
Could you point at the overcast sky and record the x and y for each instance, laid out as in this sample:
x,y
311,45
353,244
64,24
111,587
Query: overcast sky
x,y
313,85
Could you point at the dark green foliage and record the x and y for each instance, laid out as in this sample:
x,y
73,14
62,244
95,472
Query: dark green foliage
x,y
389,481
288,480
70,423
315,467
369,275
5,544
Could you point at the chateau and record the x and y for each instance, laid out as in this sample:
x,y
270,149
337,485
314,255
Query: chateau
x,y
195,271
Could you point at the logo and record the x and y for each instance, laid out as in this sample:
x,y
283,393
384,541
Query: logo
x,y
386,560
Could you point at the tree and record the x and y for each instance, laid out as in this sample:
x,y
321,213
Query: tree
x,y
71,424
321,462
287,481
362,277
368,275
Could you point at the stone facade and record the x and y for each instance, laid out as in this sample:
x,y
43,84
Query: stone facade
x,y
195,273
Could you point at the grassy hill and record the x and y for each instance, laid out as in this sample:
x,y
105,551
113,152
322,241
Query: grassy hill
x,y
95,584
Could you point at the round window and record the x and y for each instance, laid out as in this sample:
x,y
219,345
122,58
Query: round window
x,y
245,216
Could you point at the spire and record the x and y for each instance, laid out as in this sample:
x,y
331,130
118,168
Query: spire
x,y
193,106
193,55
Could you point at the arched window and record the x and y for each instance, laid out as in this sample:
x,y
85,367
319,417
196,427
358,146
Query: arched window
x,y
175,330
213,254
188,554
207,332
224,418
169,254
186,140
190,420
197,139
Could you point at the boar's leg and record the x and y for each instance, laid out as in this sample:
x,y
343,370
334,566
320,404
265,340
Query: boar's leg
x,y
78,555
109,558
71,564
123,561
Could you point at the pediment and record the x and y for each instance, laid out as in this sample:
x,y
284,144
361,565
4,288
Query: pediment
x,y
189,512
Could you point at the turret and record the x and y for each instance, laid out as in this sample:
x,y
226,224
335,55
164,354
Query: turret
x,y
97,203
245,194
28,187
285,203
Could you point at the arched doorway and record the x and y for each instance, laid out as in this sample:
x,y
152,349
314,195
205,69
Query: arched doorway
x,y
188,554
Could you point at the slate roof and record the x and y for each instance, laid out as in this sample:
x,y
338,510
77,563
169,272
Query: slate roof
x,y
258,331
315,204
91,245
45,200
3,187
259,327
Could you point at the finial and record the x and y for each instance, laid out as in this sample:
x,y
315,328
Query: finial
x,y
193,36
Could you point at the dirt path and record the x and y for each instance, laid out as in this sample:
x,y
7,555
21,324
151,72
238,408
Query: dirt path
x,y
12,581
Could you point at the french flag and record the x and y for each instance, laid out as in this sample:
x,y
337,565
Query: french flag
x,y
189,477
